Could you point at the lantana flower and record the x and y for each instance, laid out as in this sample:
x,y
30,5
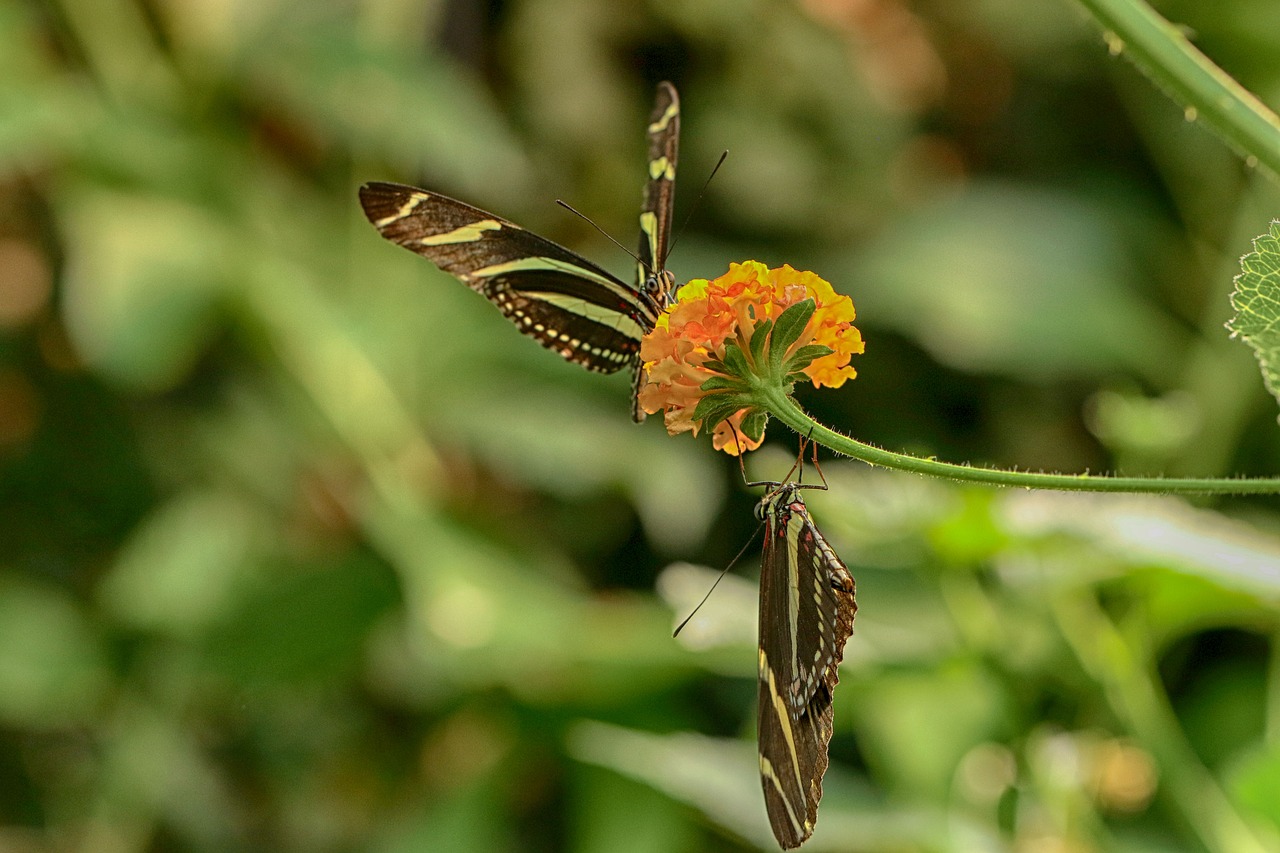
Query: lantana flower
x,y
724,339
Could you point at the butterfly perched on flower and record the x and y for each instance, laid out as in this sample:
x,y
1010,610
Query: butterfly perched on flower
x,y
555,296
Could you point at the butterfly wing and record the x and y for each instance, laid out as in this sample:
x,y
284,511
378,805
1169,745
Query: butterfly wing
x,y
806,615
562,300
656,208
659,195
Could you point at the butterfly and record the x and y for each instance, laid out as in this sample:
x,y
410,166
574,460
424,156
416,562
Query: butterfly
x,y
553,295
806,615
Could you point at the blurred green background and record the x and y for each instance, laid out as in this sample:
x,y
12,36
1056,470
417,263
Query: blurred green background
x,y
302,548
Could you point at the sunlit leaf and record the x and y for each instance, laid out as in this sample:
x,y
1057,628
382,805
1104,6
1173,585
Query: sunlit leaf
x,y
1255,781
52,665
1256,299
721,779
143,285
180,571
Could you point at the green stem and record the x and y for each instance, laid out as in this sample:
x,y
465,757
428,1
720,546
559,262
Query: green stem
x,y
786,410
1163,53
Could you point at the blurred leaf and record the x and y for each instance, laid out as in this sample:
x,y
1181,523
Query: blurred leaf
x,y
304,625
480,617
721,778
181,570
916,726
1222,708
144,281
726,620
1175,603
1129,422
1254,780
41,111
1146,529
465,820
618,815
1015,281
1256,299
418,111
53,669
970,533
154,769
541,442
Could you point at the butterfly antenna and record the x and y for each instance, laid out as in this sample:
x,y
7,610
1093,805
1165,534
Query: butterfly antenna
x,y
693,207
591,222
719,578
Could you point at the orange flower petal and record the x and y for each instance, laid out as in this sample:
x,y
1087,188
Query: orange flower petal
x,y
706,314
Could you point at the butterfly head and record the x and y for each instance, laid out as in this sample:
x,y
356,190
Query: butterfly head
x,y
779,494
660,286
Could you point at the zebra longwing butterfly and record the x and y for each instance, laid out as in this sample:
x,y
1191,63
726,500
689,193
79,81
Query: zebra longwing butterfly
x,y
555,296
806,615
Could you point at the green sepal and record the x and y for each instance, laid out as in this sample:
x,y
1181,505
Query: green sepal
x,y
758,339
787,329
724,383
714,408
715,365
805,356
735,360
754,423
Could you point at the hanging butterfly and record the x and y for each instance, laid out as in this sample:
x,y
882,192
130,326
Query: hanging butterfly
x,y
806,615
555,296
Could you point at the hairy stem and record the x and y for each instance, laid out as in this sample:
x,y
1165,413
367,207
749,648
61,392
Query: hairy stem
x,y
786,410
1161,50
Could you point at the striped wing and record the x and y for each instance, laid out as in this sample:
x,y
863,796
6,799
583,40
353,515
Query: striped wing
x,y
652,277
806,615
562,300
659,195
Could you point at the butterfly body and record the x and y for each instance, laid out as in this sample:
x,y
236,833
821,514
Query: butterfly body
x,y
555,296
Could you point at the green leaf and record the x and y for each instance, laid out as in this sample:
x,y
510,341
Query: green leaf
x,y
988,243
1257,303
184,566
788,328
53,665
146,275
1255,780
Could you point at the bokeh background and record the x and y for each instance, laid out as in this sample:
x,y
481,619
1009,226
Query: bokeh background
x,y
302,548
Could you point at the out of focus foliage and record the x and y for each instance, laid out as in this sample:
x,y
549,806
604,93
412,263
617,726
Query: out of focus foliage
x,y
303,549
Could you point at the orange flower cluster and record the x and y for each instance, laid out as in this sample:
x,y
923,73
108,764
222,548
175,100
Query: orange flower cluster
x,y
693,332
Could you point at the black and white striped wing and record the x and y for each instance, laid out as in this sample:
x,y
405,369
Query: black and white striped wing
x,y
806,615
659,196
652,277
562,300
